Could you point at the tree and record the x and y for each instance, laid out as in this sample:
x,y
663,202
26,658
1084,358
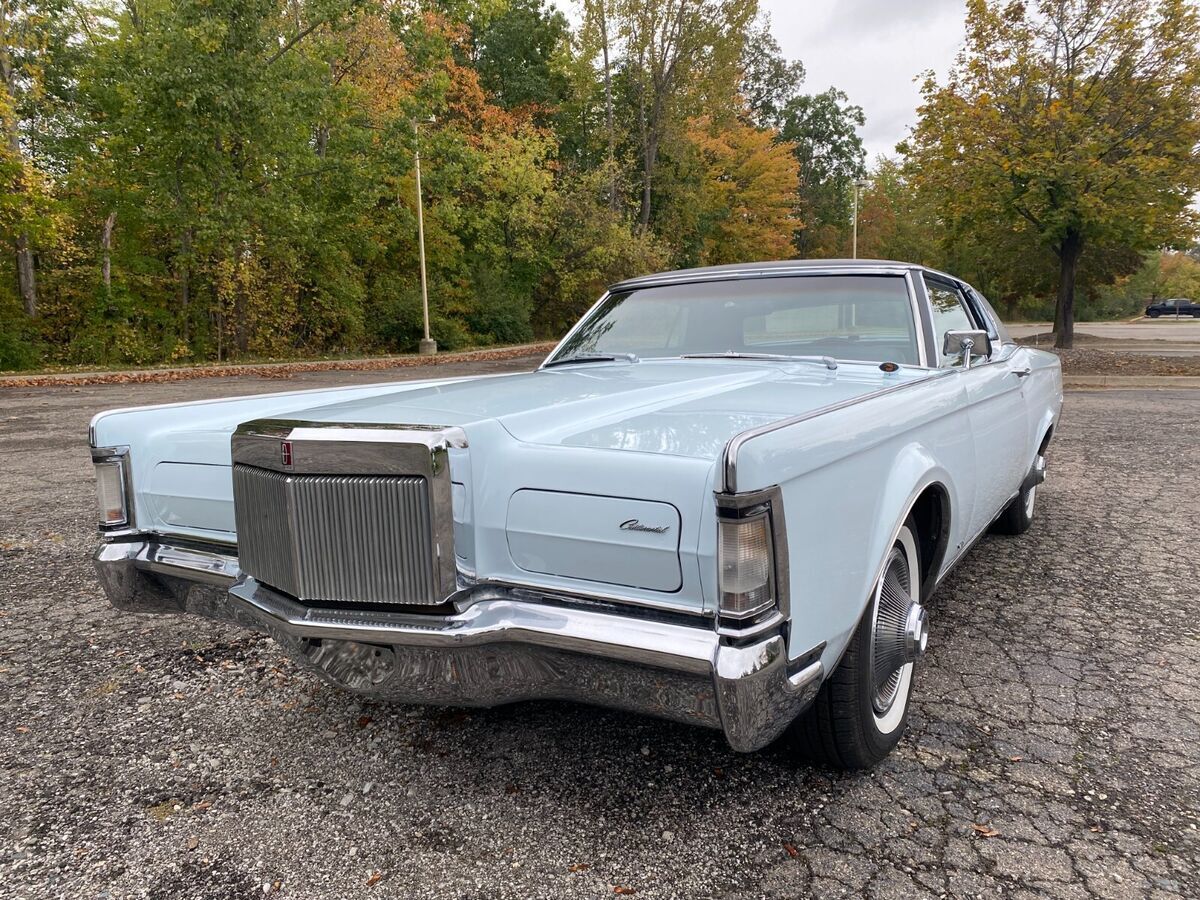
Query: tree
x,y
681,58
1075,120
748,193
824,130
32,36
516,59
770,82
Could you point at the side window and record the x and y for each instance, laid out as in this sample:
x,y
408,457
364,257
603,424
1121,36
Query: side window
x,y
1000,328
949,314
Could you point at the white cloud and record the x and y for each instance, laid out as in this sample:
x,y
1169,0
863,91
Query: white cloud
x,y
874,50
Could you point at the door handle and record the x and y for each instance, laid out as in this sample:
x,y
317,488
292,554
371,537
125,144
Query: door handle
x,y
1022,373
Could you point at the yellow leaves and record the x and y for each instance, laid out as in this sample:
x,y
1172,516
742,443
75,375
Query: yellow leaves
x,y
748,191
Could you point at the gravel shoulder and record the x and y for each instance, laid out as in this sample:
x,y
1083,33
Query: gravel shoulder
x,y
1054,749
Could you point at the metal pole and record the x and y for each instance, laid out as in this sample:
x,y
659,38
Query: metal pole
x,y
428,346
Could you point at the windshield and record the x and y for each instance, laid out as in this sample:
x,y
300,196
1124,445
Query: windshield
x,y
851,317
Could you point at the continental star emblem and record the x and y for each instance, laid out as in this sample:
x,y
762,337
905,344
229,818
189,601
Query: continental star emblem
x,y
285,453
635,525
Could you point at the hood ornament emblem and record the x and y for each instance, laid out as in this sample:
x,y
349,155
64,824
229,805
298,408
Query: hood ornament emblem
x,y
285,453
635,525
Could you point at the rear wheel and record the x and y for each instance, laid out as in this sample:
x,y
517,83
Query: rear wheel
x,y
1018,515
862,708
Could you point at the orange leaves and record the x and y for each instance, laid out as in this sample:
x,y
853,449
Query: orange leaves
x,y
748,191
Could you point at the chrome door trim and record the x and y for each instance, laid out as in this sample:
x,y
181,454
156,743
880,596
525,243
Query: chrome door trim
x,y
921,326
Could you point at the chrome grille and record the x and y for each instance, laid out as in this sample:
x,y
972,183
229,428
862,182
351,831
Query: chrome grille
x,y
337,538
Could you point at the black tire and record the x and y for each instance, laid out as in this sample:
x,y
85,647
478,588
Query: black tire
x,y
843,729
1018,515
1154,314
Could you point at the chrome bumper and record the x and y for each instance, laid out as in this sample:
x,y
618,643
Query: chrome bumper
x,y
506,645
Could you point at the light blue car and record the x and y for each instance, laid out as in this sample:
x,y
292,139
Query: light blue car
x,y
721,499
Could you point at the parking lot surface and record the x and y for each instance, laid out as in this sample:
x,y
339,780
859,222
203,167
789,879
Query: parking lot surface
x,y
1053,751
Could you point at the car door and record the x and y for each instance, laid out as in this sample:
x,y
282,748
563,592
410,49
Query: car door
x,y
996,407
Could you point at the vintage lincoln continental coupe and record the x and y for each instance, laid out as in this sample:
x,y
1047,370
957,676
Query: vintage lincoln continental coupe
x,y
721,499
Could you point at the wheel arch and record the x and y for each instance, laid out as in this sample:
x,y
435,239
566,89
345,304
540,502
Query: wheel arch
x,y
931,513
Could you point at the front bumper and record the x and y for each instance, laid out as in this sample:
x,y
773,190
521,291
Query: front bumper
x,y
504,645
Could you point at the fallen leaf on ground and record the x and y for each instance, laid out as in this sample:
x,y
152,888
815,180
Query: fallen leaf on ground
x,y
364,721
986,831
791,850
579,867
374,878
624,891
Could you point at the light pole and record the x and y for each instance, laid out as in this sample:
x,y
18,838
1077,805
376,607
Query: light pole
x,y
428,345
858,183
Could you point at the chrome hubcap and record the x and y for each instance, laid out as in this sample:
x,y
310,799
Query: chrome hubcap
x,y
901,631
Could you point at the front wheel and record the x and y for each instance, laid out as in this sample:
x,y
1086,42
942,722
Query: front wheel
x,y
862,708
1154,314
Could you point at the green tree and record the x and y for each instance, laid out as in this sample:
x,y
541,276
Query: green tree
x,y
823,128
681,59
1076,120
518,55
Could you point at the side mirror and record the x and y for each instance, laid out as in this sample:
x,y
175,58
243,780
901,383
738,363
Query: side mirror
x,y
967,344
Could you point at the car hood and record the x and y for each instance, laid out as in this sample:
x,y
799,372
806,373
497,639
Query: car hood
x,y
681,407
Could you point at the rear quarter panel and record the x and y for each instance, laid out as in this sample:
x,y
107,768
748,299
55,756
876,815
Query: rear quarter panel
x,y
1044,394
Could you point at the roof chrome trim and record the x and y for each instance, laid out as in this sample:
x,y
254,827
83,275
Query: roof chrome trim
x,y
728,460
774,271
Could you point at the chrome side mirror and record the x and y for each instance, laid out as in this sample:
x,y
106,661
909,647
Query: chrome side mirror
x,y
967,344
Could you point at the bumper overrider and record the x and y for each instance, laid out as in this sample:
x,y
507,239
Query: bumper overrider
x,y
493,645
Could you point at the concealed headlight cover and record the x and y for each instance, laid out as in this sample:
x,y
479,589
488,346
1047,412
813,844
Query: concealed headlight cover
x,y
744,563
110,492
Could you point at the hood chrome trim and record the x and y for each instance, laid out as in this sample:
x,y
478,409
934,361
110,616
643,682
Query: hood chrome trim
x,y
727,463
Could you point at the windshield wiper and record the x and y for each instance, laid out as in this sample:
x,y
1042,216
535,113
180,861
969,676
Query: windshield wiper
x,y
828,361
591,358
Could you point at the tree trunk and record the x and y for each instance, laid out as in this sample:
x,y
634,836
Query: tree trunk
x,y
608,110
106,236
183,281
27,276
647,175
1064,311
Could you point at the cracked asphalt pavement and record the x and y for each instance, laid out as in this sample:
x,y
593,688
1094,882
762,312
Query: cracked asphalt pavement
x,y
1053,751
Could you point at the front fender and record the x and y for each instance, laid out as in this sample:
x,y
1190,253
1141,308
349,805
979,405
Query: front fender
x,y
853,569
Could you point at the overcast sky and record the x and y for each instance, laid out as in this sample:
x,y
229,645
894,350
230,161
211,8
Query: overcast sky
x,y
873,50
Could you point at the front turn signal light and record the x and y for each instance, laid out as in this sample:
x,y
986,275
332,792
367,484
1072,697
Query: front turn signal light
x,y
745,562
111,491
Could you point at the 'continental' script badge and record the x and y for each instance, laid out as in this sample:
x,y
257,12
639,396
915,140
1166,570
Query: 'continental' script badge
x,y
635,525
285,453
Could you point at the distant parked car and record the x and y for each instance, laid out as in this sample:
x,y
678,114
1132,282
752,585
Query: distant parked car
x,y
1177,307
